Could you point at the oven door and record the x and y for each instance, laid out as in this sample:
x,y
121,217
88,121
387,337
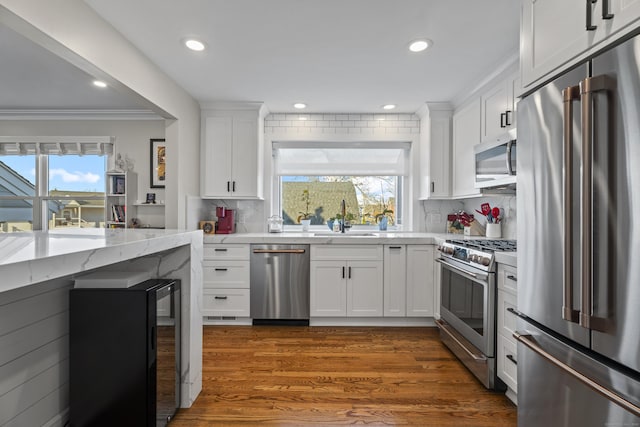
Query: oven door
x,y
467,303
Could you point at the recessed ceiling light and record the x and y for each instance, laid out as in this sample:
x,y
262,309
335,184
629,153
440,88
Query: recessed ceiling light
x,y
99,83
388,107
420,45
194,44
299,105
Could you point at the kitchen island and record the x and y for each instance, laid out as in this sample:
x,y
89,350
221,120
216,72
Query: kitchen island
x,y
38,270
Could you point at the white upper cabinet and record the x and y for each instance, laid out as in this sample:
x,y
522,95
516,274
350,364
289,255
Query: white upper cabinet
x,y
498,105
466,134
232,147
557,34
435,151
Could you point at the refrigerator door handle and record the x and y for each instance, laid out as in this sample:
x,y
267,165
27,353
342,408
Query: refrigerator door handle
x,y
569,96
589,86
530,343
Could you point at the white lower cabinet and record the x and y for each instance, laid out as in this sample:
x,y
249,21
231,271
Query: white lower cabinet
x,y
226,276
408,281
507,355
395,280
420,281
346,281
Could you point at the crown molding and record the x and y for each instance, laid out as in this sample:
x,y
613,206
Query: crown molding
x,y
84,114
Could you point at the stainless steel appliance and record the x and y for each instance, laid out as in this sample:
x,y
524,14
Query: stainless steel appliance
x,y
280,284
467,304
496,163
578,260
124,354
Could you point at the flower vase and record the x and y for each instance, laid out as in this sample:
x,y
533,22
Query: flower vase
x,y
330,224
305,224
382,225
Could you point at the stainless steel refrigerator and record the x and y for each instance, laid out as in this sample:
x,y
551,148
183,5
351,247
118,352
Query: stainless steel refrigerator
x,y
579,245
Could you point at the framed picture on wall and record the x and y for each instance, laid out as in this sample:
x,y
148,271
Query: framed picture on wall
x,y
158,168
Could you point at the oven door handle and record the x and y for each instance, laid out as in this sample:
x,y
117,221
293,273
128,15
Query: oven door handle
x,y
459,270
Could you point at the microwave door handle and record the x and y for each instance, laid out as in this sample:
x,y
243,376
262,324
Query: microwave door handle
x,y
509,164
569,96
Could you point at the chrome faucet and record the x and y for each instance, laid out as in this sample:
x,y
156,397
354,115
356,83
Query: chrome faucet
x,y
343,211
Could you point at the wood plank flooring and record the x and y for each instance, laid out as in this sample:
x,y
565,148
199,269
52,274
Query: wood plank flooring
x,y
333,376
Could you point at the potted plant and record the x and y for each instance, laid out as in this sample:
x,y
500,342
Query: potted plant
x,y
382,218
305,217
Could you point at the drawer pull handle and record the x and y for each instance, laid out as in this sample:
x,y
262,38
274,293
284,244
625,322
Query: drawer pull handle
x,y
395,247
221,269
512,277
220,250
217,297
513,359
512,310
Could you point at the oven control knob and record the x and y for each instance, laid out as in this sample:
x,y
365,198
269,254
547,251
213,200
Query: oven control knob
x,y
485,261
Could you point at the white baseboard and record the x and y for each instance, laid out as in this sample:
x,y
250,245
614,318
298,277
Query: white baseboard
x,y
372,321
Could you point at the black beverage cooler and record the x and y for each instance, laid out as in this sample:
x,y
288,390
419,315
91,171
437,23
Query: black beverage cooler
x,y
125,354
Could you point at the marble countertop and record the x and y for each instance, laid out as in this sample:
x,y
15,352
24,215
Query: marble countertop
x,y
323,238
28,258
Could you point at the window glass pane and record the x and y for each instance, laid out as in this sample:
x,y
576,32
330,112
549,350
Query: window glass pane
x,y
76,175
366,197
18,176
75,213
16,215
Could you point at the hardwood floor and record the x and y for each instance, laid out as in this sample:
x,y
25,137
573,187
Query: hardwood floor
x,y
328,376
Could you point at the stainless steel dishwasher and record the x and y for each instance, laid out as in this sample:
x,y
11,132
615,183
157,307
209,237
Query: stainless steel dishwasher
x,y
280,284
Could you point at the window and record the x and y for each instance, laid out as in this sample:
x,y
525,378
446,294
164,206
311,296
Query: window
x,y
46,185
366,198
314,178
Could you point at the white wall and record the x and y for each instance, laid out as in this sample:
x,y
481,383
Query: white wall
x,y
72,30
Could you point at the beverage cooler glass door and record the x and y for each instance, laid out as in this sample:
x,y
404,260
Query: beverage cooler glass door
x,y
167,354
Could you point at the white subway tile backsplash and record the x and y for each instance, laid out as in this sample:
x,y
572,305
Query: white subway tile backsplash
x,y
367,124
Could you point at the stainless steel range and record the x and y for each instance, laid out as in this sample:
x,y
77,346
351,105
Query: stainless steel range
x,y
468,303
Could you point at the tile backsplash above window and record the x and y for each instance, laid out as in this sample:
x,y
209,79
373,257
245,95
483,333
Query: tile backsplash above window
x,y
322,124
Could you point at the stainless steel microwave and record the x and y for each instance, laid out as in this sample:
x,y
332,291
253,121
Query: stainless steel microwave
x,y
496,164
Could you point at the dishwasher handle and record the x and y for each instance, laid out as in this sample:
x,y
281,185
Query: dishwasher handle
x,y
279,251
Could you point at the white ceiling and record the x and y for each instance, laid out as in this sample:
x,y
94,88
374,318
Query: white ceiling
x,y
32,78
334,55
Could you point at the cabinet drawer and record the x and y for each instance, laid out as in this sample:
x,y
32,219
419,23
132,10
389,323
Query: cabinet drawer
x,y
226,302
506,319
226,274
346,252
507,362
507,278
231,252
